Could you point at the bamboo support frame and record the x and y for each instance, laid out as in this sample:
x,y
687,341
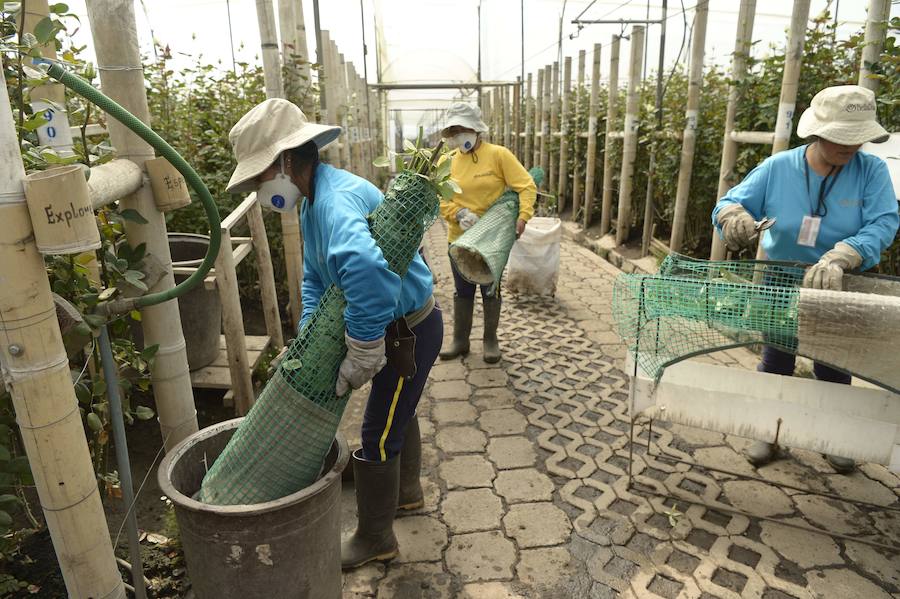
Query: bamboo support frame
x,y
538,119
629,144
612,113
552,182
545,127
563,184
36,372
742,44
576,146
689,143
115,39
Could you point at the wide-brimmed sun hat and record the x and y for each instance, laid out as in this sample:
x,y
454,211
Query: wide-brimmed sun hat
x,y
844,114
267,130
463,114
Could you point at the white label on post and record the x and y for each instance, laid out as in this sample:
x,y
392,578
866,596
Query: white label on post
x,y
55,132
691,122
785,122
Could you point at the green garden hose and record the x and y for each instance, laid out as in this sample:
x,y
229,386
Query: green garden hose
x,y
90,93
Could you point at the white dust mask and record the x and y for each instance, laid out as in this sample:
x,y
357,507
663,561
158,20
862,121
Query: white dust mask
x,y
279,194
466,141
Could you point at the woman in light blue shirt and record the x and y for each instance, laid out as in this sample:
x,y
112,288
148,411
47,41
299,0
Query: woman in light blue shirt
x,y
833,206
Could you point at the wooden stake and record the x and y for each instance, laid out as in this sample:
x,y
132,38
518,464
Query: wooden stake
x,y
563,184
689,144
612,113
629,150
742,44
876,30
266,276
528,158
36,372
552,183
576,149
539,118
115,40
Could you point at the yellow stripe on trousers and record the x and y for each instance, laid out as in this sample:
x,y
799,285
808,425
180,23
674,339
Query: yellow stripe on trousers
x,y
390,419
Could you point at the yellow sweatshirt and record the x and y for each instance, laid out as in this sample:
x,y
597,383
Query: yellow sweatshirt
x,y
483,176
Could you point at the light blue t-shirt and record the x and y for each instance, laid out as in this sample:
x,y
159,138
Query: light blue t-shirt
x,y
338,248
861,206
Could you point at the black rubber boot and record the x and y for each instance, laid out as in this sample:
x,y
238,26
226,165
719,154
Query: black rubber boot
x,y
377,484
411,495
491,322
462,327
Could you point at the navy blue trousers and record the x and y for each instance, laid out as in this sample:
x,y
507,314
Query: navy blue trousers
x,y
393,399
779,362
466,289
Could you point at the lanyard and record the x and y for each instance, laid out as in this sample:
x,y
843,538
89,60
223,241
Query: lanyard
x,y
821,208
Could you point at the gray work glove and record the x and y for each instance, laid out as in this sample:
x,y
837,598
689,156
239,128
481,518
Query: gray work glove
x,y
364,360
738,227
828,272
466,219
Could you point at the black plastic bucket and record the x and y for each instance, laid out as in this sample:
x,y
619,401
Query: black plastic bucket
x,y
290,547
200,308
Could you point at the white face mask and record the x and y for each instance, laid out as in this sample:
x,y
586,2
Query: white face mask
x,y
279,194
464,141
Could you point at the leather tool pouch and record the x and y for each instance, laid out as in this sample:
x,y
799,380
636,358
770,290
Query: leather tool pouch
x,y
400,348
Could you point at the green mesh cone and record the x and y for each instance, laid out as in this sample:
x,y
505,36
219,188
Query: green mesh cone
x,y
480,254
281,444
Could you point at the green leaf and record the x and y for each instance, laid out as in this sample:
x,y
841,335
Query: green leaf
x,y
44,30
35,122
8,502
18,465
132,215
4,454
291,365
135,315
94,422
94,320
108,294
5,521
382,162
134,279
83,394
454,186
149,352
144,413
59,8
409,146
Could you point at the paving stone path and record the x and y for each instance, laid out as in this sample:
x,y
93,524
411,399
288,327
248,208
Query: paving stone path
x,y
525,468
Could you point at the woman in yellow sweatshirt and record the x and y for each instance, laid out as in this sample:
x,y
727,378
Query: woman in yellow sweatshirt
x,y
484,171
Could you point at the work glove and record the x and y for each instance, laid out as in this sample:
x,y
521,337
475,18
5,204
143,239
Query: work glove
x,y
363,361
466,219
828,272
738,227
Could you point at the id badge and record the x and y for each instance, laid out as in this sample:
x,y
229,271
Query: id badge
x,y
809,231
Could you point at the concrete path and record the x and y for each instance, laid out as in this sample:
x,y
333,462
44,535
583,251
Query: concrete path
x,y
525,473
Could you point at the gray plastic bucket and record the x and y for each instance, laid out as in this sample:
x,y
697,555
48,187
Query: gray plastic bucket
x,y
290,547
200,308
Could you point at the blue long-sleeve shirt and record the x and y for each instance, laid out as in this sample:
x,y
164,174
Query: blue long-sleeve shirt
x,y
338,248
862,206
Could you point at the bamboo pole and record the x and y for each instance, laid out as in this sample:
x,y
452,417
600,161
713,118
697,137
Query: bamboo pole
x,y
301,49
590,167
545,127
36,372
576,149
564,142
538,118
629,145
742,44
328,92
266,275
552,182
689,144
612,113
517,119
287,30
876,30
270,50
790,80
121,75
528,158
343,77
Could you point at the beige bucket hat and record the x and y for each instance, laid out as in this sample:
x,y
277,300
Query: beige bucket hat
x,y
844,114
463,114
267,130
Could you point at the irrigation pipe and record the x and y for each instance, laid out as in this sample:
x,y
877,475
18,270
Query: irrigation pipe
x,y
112,108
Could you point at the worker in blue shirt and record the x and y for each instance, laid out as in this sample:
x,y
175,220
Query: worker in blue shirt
x,y
833,206
277,151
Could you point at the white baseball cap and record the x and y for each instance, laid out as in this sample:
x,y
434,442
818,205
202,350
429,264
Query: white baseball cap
x,y
463,114
267,130
843,114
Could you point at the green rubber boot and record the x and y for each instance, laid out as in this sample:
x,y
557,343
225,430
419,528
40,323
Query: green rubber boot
x,y
491,322
411,495
377,485
462,327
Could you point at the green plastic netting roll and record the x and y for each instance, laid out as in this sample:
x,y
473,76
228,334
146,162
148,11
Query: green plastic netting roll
x,y
281,444
480,254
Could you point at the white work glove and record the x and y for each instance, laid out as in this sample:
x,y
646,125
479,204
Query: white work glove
x,y
828,272
466,219
364,360
738,227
